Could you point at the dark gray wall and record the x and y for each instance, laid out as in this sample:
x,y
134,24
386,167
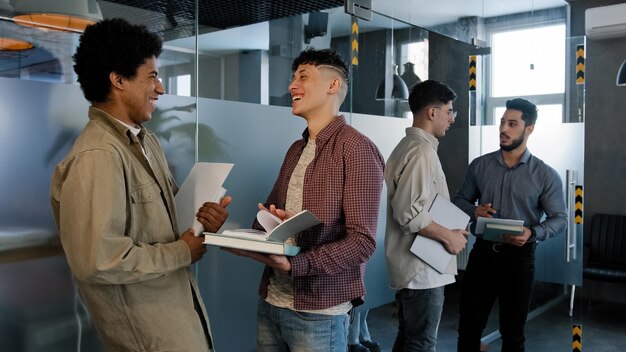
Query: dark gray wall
x,y
367,74
605,135
605,120
605,129
449,63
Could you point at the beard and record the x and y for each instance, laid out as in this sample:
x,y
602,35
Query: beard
x,y
514,143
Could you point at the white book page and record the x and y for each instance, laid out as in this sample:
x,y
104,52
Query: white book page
x,y
251,234
268,220
276,229
203,184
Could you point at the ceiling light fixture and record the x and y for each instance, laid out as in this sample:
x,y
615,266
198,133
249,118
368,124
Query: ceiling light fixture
x,y
621,75
10,44
399,90
409,76
7,43
66,15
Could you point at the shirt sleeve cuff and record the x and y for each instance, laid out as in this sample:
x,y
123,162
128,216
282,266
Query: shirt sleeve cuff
x,y
538,234
181,254
299,265
417,223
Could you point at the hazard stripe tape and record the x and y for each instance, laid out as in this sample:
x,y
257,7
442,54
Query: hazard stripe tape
x,y
578,205
577,333
580,64
354,40
472,73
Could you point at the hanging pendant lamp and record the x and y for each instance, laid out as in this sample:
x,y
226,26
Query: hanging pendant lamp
x,y
7,42
399,90
621,75
65,15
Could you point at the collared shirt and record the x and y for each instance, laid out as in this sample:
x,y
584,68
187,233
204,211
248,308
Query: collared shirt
x,y
413,176
280,289
524,192
115,213
342,188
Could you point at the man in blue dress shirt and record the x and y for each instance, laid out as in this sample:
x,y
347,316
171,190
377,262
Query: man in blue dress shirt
x,y
509,183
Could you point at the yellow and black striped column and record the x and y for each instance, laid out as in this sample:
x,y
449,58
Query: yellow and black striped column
x,y
577,338
580,64
472,73
354,39
578,209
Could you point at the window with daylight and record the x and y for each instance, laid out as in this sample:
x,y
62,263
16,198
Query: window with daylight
x,y
528,63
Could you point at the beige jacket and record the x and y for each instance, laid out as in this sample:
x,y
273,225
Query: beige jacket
x,y
116,217
414,176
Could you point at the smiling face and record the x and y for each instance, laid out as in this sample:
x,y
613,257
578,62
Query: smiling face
x,y
142,92
513,130
309,88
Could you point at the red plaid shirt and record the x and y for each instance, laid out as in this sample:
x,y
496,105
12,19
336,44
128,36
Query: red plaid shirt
x,y
342,187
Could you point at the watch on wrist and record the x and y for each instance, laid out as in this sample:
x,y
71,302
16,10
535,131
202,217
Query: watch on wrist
x,y
533,233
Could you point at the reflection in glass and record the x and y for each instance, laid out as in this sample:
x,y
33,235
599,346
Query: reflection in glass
x,y
68,15
415,57
399,89
409,77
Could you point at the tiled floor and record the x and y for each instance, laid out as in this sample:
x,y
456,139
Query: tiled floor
x,y
604,326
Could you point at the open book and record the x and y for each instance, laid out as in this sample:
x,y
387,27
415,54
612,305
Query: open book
x,y
273,240
448,215
203,184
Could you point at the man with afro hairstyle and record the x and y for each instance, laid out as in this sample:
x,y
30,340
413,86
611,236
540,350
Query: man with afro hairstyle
x,y
113,203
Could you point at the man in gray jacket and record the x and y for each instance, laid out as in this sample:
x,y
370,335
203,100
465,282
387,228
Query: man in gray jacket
x,y
113,203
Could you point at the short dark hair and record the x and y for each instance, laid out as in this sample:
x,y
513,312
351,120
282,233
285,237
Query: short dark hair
x,y
315,57
528,109
111,45
429,92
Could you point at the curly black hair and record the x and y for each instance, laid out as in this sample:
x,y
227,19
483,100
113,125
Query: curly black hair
x,y
429,92
111,45
315,57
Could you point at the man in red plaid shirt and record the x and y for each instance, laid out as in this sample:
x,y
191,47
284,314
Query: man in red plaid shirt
x,y
336,173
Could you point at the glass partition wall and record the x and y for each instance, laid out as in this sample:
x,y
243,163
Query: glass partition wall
x,y
225,67
42,111
254,129
226,101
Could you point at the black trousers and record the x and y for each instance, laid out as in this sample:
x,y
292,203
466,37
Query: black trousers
x,y
499,271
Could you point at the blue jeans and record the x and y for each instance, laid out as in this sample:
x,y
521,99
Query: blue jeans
x,y
281,329
419,313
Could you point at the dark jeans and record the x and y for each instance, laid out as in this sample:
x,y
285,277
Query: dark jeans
x,y
496,271
419,313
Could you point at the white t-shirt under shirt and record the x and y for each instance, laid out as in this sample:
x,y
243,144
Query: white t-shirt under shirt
x,y
280,290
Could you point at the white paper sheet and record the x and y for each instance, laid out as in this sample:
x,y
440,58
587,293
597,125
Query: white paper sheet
x,y
203,184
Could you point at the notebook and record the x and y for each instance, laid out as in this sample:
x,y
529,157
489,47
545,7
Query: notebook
x,y
448,215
